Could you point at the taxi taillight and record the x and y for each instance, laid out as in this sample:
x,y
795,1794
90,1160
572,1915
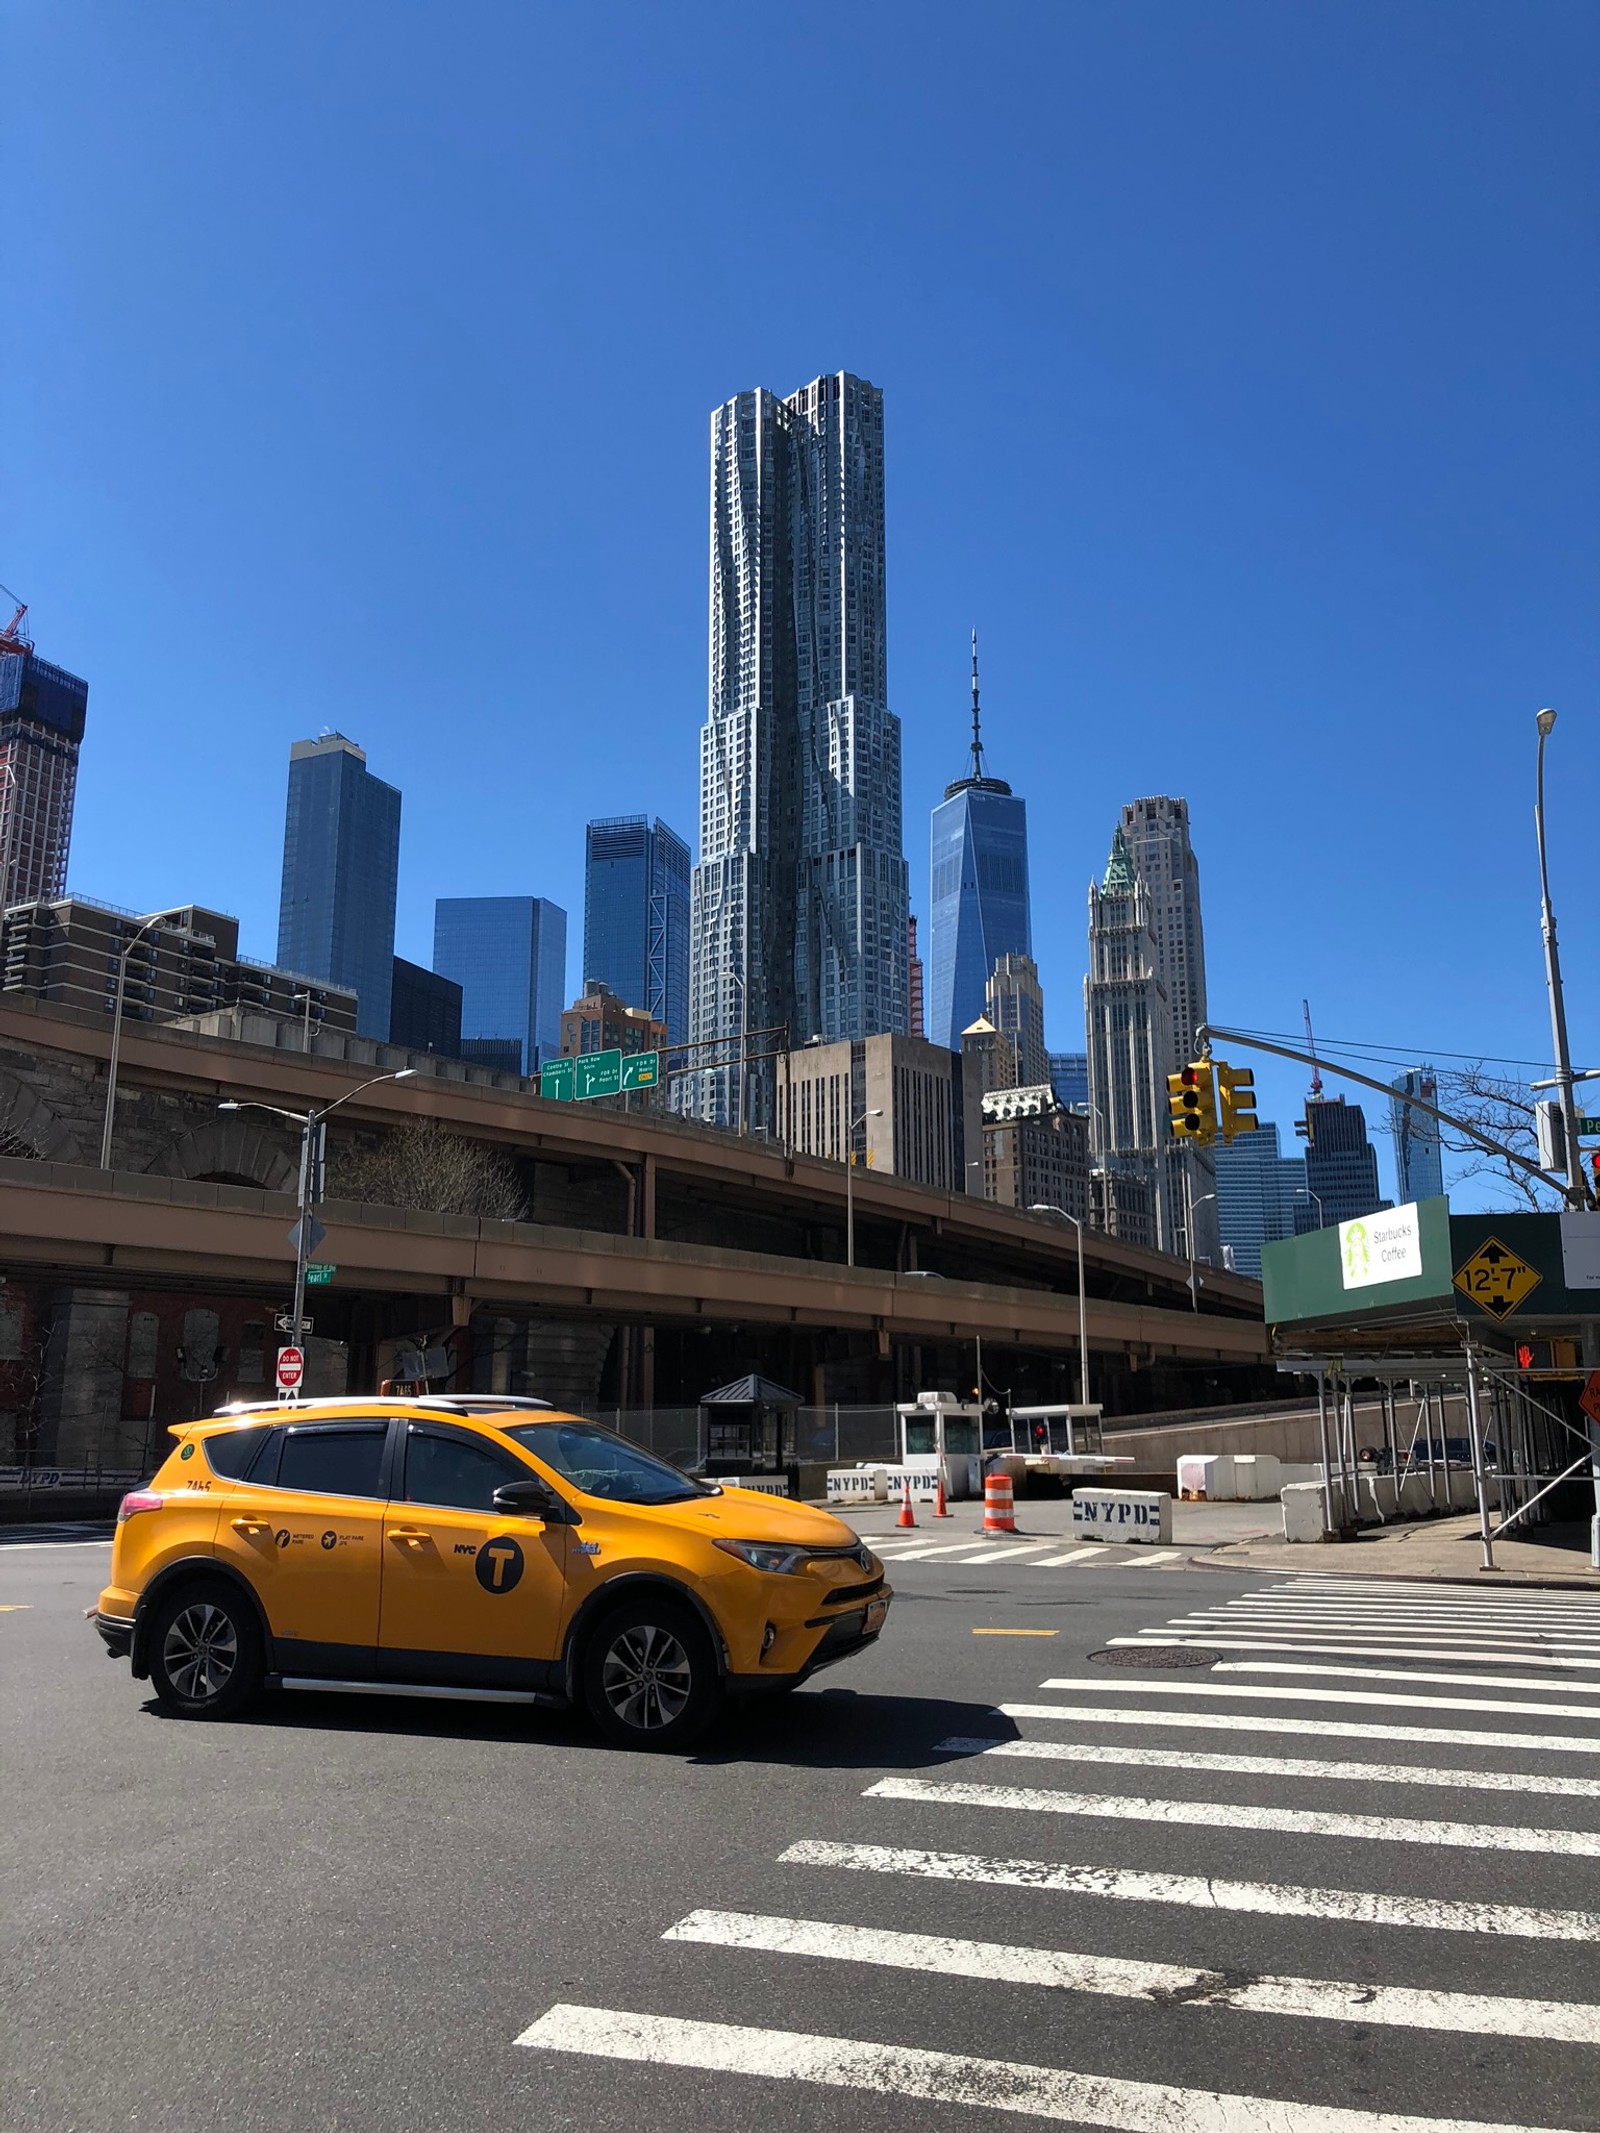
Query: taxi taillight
x,y
138,1500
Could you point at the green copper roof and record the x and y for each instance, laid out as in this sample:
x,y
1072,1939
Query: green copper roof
x,y
1119,871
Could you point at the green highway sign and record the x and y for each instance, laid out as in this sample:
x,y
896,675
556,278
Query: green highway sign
x,y
599,1074
642,1071
557,1080
320,1273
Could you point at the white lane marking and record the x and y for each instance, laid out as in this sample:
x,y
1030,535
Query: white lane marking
x,y
1304,1726
1362,1907
1207,1640
1426,1600
902,2070
1055,1751
1001,1551
1225,1814
40,1547
1379,1699
1385,1673
927,1549
1401,1639
1159,1555
1326,1999
1515,1618
1073,1555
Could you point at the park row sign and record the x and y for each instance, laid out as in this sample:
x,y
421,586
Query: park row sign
x,y
593,1074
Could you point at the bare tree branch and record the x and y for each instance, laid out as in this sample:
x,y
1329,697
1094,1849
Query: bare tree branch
x,y
1502,1109
434,1171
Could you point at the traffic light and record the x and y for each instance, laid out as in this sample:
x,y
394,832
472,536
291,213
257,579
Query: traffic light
x,y
1236,1100
1192,1101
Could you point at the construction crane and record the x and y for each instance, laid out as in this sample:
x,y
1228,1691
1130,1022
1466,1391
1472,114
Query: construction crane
x,y
1311,1047
14,638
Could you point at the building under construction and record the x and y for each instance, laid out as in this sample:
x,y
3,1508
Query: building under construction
x,y
42,709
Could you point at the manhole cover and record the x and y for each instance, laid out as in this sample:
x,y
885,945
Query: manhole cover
x,y
1154,1655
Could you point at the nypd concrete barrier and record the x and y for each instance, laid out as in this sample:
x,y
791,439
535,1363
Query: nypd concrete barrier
x,y
858,1484
763,1484
1121,1515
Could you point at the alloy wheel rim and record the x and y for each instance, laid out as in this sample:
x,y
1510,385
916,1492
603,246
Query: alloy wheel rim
x,y
200,1652
647,1677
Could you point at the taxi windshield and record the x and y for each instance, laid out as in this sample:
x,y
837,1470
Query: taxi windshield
x,y
601,1464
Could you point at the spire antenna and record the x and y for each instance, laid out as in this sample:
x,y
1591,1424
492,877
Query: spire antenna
x,y
977,739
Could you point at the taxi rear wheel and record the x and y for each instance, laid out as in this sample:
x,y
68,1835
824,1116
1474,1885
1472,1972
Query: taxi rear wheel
x,y
205,1651
650,1675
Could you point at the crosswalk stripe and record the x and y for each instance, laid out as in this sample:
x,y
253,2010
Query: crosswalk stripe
x,y
1224,1814
1210,1641
1384,1673
922,1550
1535,1640
1379,1699
1002,1552
1586,1624
1159,1555
1303,1766
1046,2092
1433,1600
1201,1892
1327,1999
1073,1555
1303,1724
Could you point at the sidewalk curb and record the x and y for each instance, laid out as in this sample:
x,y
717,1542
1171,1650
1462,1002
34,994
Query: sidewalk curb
x,y
1496,1580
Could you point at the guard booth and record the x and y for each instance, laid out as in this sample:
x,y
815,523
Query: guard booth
x,y
942,1436
749,1434
1048,1448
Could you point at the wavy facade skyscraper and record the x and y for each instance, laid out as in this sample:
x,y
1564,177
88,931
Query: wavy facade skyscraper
x,y
800,900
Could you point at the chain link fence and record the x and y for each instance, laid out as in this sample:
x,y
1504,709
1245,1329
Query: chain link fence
x,y
826,1436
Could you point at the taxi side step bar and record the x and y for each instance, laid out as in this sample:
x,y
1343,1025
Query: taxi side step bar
x,y
416,1688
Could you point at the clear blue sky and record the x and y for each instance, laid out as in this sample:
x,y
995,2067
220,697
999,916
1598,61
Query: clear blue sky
x,y
1241,389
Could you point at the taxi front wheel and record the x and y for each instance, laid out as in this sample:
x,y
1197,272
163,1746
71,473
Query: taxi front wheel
x,y
205,1651
650,1675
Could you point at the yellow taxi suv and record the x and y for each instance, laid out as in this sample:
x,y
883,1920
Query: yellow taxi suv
x,y
474,1547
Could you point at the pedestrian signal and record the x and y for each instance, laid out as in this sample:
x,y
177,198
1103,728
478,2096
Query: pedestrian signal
x,y
1192,1101
1236,1100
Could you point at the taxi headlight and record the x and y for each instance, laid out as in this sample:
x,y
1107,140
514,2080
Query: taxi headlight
x,y
765,1555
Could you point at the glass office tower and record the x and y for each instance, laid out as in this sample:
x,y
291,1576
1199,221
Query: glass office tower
x,y
1418,1162
636,917
42,712
509,956
978,890
341,862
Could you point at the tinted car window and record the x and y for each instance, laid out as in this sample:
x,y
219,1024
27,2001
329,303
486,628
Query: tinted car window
x,y
601,1464
233,1454
442,1468
334,1462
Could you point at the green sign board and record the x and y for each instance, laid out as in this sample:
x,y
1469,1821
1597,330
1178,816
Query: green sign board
x,y
1588,1128
320,1273
557,1080
642,1071
599,1074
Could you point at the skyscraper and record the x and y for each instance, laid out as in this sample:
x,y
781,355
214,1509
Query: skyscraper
x,y
1015,1005
1259,1193
978,888
341,862
1069,1077
800,901
509,956
636,917
1418,1162
42,710
1341,1165
1156,831
1129,1029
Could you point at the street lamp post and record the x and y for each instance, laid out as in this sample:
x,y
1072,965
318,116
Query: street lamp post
x,y
1577,1193
311,1124
1304,1192
123,954
1191,1203
850,1186
1042,1207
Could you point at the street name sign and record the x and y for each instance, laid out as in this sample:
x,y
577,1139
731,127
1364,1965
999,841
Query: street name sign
x,y
599,1074
320,1274
1588,1128
557,1079
291,1369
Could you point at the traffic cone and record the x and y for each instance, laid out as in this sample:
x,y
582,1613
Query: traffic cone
x,y
999,1507
940,1508
906,1518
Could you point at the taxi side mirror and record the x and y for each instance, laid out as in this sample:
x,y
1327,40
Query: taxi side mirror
x,y
534,1499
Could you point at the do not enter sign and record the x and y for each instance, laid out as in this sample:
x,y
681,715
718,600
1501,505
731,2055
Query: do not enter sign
x,y
291,1368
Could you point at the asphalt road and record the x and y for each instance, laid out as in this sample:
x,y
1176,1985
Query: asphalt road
x,y
345,1913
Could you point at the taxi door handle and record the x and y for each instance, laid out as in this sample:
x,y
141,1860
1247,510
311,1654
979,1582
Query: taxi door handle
x,y
413,1536
252,1525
